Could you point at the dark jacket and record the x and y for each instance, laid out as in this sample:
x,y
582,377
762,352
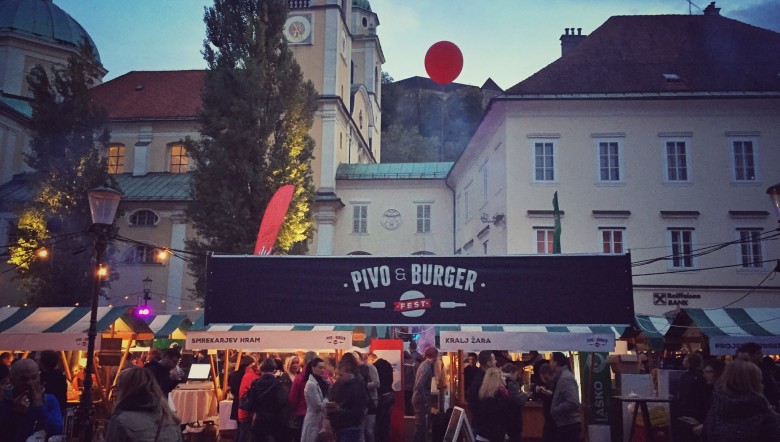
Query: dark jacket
x,y
352,400
692,396
137,419
741,418
162,375
494,414
514,418
234,382
56,385
472,397
385,371
16,427
565,406
267,400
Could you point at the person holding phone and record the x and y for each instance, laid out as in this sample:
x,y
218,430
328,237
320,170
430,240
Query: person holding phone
x,y
25,408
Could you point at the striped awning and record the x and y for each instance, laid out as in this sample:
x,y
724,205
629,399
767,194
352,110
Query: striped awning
x,y
56,319
655,329
53,328
747,322
163,326
729,328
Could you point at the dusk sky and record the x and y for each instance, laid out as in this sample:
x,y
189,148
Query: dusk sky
x,y
507,40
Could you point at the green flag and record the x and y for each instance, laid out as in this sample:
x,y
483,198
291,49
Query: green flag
x,y
557,232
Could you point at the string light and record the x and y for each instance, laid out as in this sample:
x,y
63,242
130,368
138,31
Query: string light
x,y
42,253
162,255
103,271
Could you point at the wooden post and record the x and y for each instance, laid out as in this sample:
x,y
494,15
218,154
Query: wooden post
x,y
25,354
238,359
214,378
225,375
121,365
66,367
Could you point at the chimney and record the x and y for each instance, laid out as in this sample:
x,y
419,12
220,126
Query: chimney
x,y
570,40
711,9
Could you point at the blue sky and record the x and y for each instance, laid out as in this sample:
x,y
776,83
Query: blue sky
x,y
507,40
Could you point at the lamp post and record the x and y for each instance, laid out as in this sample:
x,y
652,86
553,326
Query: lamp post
x,y
103,203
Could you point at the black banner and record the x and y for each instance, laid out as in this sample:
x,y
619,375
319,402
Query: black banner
x,y
544,289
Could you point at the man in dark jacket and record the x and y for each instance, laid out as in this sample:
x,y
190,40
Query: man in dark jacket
x,y
347,403
487,359
53,380
25,408
163,370
752,352
386,399
267,400
422,394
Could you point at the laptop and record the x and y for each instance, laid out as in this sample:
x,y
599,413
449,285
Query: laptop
x,y
199,372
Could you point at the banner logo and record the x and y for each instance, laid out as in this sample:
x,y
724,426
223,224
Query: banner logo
x,y
336,339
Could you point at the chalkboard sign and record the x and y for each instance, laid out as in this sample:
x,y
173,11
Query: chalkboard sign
x,y
458,429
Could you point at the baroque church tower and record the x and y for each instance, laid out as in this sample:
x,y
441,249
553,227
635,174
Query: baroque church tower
x,y
336,45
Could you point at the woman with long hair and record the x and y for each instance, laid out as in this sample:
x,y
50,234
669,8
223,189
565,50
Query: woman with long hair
x,y
739,411
493,406
141,413
315,392
292,368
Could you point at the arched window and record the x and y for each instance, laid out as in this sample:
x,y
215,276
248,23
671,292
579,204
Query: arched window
x,y
143,254
360,118
143,217
358,252
423,252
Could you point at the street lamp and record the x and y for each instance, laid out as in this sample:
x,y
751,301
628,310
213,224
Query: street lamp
x,y
774,195
143,310
103,203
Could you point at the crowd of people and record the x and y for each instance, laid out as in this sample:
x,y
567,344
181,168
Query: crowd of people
x,y
309,400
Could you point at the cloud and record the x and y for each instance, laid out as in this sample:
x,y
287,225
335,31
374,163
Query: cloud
x,y
764,14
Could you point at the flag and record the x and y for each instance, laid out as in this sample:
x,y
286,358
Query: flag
x,y
273,218
557,232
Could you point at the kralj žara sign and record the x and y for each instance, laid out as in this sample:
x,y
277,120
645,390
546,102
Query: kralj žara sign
x,y
547,289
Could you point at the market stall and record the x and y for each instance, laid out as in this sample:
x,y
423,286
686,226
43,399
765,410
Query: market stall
x,y
723,331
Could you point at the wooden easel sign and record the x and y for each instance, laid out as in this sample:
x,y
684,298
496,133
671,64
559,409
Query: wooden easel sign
x,y
458,429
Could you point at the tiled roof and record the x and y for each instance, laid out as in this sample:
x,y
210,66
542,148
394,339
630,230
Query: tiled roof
x,y
140,95
158,186
409,171
631,54
426,83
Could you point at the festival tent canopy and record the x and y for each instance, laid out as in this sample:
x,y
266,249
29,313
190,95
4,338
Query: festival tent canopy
x,y
62,328
654,328
168,326
728,328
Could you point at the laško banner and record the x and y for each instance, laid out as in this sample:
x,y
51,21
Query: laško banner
x,y
546,289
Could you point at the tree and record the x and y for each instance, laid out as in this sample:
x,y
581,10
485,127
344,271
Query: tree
x,y
68,139
256,113
405,145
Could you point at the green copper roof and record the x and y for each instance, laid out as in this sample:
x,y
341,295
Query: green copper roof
x,y
362,4
157,186
388,171
44,20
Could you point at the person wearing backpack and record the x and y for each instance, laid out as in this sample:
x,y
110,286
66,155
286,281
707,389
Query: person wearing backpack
x,y
267,401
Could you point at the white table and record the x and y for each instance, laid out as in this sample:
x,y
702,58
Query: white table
x,y
194,405
225,422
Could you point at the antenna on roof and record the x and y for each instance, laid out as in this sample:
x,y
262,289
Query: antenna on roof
x,y
689,6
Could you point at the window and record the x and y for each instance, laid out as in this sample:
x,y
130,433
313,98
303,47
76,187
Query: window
x,y
485,247
677,162
359,219
116,158
544,161
143,218
609,161
466,208
612,240
682,247
544,240
744,160
178,158
423,218
142,255
750,248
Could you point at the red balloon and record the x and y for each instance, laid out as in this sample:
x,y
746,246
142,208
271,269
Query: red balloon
x,y
443,62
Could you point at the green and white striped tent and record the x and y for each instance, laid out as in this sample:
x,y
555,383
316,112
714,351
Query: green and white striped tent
x,y
296,336
728,328
61,328
168,326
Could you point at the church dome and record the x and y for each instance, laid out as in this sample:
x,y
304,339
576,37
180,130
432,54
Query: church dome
x,y
363,4
43,20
